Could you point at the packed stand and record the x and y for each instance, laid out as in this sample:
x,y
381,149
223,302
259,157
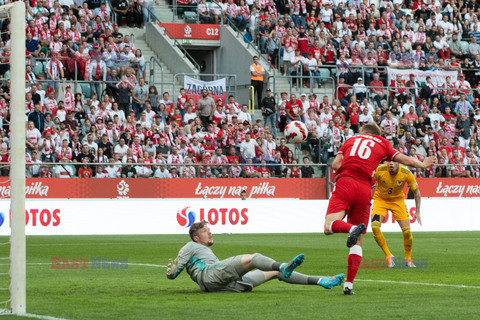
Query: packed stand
x,y
129,122
356,41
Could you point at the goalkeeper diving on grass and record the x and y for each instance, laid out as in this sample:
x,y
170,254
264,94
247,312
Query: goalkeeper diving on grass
x,y
236,274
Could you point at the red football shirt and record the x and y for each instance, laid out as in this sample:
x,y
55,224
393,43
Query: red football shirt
x,y
362,155
293,108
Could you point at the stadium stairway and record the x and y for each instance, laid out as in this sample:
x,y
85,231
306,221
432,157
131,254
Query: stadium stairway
x,y
165,13
140,42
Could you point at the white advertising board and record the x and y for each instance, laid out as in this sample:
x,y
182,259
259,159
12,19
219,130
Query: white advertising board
x,y
148,216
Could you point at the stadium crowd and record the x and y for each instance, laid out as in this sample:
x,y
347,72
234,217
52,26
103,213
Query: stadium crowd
x,y
357,41
131,122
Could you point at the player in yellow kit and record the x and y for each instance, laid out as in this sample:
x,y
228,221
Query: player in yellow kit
x,y
389,196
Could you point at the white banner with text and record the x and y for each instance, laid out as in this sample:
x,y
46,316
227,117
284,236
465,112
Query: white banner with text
x,y
193,88
148,216
438,76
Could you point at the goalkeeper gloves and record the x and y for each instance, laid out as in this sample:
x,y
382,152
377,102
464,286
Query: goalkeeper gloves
x,y
172,268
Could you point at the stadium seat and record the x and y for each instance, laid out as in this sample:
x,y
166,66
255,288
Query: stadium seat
x,y
325,74
190,16
39,68
86,90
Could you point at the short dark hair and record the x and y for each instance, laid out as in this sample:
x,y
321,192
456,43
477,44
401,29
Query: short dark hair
x,y
193,231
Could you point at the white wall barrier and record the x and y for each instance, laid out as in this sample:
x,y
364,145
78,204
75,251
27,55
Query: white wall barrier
x,y
149,216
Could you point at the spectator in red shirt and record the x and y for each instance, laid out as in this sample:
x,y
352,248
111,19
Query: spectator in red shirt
x,y
283,149
263,171
411,115
294,109
330,53
302,41
232,155
341,90
445,145
354,118
317,51
85,171
379,92
456,146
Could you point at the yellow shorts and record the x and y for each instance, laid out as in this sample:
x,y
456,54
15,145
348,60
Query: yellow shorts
x,y
398,209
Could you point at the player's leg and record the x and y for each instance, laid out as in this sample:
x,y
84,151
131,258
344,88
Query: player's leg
x,y
379,212
335,224
338,204
354,260
400,213
261,262
326,282
407,242
257,277
359,215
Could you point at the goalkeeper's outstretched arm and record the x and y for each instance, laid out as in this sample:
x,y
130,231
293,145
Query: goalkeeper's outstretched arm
x,y
175,267
172,268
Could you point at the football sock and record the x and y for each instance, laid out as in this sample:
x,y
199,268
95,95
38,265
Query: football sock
x,y
265,263
354,260
378,236
255,278
298,278
407,242
340,226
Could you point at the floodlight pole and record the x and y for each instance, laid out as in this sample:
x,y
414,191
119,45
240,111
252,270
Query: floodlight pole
x,y
17,159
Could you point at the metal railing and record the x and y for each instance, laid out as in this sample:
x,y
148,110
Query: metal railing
x,y
174,7
153,63
377,68
389,93
312,79
279,168
175,41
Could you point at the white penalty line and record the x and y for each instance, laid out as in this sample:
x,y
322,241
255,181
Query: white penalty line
x,y
362,280
31,315
421,283
129,263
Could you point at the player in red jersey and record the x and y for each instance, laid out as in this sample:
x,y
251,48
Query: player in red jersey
x,y
355,164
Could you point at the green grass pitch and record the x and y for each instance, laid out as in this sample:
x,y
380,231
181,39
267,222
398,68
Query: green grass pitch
x,y
143,292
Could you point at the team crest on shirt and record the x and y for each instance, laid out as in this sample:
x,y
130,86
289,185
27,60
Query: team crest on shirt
x,y
399,182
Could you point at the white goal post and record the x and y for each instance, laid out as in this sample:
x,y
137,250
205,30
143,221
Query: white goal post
x,y
16,12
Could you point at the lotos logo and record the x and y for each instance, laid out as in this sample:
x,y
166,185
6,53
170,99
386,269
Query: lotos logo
x,y
185,217
2,218
231,216
224,216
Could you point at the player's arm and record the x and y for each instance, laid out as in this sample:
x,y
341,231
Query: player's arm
x,y
337,162
418,199
175,267
413,185
172,268
412,162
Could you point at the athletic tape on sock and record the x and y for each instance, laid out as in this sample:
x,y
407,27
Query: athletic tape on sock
x,y
330,227
376,224
356,249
